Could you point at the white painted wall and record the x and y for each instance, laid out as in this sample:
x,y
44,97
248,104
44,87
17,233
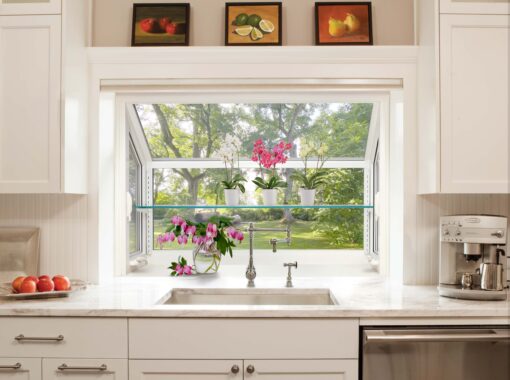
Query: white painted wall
x,y
392,21
63,223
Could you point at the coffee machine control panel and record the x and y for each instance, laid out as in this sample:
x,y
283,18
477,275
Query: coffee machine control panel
x,y
474,229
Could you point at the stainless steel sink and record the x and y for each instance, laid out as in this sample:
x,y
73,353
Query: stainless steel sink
x,y
249,297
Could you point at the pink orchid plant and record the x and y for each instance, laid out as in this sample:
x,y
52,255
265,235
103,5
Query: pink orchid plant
x,y
218,234
269,159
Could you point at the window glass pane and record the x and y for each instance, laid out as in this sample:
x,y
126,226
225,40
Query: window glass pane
x,y
134,184
196,131
311,229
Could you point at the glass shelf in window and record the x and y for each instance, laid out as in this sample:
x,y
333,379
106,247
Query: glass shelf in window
x,y
142,207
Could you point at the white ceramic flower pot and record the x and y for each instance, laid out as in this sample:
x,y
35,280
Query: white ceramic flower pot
x,y
307,197
232,197
270,196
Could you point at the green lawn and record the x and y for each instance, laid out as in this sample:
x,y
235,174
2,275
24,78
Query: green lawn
x,y
302,237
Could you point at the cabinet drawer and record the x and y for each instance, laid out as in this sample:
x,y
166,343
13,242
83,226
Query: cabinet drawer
x,y
63,337
78,369
20,369
243,338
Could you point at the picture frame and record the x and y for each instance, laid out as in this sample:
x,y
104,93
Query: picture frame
x,y
160,24
343,23
264,19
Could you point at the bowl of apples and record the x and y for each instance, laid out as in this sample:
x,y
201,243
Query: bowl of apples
x,y
40,287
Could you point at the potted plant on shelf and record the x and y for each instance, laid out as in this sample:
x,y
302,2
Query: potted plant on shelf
x,y
268,159
233,183
212,240
311,179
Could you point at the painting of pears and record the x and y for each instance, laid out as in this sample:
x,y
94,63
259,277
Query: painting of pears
x,y
343,23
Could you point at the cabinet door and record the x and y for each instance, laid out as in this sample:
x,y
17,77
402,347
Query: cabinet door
x,y
185,369
301,369
474,104
30,7
475,6
30,104
20,369
85,369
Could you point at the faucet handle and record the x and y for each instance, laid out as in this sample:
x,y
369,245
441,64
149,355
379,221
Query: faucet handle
x,y
289,274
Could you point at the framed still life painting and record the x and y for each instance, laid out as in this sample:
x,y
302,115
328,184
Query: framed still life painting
x,y
160,25
253,24
343,23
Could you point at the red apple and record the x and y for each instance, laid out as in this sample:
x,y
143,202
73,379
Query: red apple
x,y
61,282
45,285
171,28
33,278
16,284
149,25
44,277
163,22
28,286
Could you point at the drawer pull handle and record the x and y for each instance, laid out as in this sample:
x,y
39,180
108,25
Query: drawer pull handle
x,y
235,369
21,338
250,369
65,367
14,366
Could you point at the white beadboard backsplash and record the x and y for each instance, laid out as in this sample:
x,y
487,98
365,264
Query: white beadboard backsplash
x,y
63,223
425,269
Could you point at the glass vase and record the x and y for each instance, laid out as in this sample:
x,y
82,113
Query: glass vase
x,y
206,259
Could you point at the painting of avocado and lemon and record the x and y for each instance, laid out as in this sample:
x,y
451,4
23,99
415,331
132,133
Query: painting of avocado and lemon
x,y
343,23
160,24
253,24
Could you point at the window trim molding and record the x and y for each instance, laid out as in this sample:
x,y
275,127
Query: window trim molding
x,y
352,63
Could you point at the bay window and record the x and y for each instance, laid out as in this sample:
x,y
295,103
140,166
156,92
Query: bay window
x,y
184,172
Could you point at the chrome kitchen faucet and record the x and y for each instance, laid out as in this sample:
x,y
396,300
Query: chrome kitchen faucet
x,y
250,271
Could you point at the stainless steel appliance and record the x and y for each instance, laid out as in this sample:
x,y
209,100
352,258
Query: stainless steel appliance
x,y
472,261
439,353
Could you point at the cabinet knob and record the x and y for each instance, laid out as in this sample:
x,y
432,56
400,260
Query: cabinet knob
x,y
250,369
235,369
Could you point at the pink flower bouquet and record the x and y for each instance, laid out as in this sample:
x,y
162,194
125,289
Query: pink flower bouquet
x,y
218,232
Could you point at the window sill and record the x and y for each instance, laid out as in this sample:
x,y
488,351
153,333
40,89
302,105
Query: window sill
x,y
320,263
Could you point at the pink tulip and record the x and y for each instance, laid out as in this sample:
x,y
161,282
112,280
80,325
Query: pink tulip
x,y
171,237
212,230
239,236
191,230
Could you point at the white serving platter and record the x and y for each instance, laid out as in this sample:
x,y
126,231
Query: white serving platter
x,y
6,292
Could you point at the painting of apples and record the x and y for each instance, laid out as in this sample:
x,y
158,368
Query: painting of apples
x,y
160,24
343,23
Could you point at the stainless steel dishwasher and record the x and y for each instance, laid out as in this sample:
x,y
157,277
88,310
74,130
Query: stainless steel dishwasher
x,y
438,353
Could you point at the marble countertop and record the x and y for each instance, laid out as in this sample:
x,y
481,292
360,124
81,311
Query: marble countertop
x,y
356,297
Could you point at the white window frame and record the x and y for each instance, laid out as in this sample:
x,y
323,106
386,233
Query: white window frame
x,y
139,195
380,99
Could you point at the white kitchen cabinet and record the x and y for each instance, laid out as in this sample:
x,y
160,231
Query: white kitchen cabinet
x,y
43,101
188,369
474,52
30,7
30,104
64,337
475,6
463,124
301,369
20,369
85,369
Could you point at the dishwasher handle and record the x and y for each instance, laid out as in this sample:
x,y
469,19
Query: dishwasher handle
x,y
436,335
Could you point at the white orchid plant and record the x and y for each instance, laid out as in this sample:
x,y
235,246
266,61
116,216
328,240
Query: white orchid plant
x,y
229,153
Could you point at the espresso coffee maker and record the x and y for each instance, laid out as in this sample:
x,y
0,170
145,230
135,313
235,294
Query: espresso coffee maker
x,y
472,257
